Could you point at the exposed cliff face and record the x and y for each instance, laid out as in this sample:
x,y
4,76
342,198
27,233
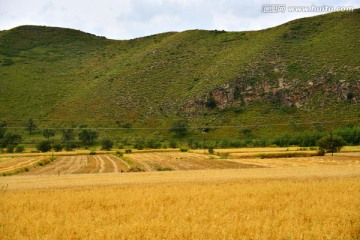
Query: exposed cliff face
x,y
301,94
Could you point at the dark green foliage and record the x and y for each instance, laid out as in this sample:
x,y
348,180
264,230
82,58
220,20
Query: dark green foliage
x,y
19,149
172,144
68,135
92,153
44,146
211,150
153,143
88,137
107,144
128,151
351,135
2,129
58,147
330,144
210,102
7,62
48,133
180,128
69,146
246,132
306,139
10,148
11,139
139,144
350,96
30,126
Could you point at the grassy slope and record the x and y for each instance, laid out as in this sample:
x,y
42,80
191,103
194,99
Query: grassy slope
x,y
75,78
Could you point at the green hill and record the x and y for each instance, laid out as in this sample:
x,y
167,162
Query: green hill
x,y
300,76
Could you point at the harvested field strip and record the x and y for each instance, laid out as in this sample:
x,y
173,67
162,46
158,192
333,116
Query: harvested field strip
x,y
77,164
115,167
52,168
285,154
121,165
92,166
14,164
183,161
102,164
302,162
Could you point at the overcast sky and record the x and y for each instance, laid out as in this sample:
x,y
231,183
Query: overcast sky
x,y
126,19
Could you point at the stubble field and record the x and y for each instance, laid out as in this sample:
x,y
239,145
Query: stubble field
x,y
290,198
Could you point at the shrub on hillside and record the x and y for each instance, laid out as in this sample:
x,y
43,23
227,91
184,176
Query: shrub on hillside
x,y
107,144
19,149
58,147
44,146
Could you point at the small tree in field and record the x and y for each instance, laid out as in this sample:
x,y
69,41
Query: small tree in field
x,y
67,135
44,146
31,126
107,144
180,128
88,136
2,129
48,133
330,144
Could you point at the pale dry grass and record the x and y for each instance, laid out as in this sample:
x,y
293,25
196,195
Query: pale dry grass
x,y
80,164
338,159
12,164
183,161
295,208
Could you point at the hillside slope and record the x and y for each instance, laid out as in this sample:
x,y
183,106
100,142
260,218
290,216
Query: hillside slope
x,y
306,71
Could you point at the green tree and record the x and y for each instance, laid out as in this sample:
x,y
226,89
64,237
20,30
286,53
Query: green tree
x,y
48,133
107,144
88,137
330,144
58,147
210,102
30,126
44,146
2,129
67,135
11,139
180,128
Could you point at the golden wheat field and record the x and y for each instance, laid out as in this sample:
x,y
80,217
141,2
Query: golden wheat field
x,y
287,198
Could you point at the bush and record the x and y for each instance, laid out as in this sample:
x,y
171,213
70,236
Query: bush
x,y
180,128
184,149
92,153
10,148
172,144
211,150
128,151
330,144
152,143
69,146
44,146
58,147
20,149
107,144
139,144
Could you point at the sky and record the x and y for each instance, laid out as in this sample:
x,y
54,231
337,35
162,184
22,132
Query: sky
x,y
128,19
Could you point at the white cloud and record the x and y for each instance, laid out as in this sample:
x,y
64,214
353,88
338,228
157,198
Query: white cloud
x,y
124,19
